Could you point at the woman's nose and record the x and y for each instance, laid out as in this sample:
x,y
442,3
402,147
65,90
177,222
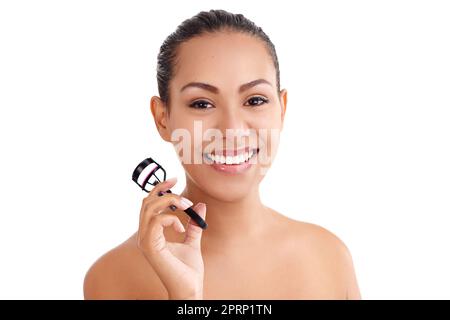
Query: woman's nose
x,y
232,119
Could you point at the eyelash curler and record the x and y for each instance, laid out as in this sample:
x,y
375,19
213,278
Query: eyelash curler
x,y
149,172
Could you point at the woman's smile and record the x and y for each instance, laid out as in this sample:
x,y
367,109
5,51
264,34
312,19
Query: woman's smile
x,y
231,161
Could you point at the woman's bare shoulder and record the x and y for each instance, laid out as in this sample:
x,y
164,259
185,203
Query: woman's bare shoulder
x,y
312,235
323,249
123,273
302,229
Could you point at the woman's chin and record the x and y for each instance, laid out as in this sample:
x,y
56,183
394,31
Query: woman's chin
x,y
228,188
231,195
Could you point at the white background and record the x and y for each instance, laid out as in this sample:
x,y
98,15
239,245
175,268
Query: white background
x,y
364,153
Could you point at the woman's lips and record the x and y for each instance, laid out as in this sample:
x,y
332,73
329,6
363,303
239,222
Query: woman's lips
x,y
233,168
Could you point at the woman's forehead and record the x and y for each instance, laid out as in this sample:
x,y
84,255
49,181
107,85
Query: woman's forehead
x,y
223,58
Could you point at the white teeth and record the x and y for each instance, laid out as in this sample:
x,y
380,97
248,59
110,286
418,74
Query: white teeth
x,y
231,159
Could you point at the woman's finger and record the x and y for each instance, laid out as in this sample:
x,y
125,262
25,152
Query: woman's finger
x,y
167,200
153,208
154,240
162,187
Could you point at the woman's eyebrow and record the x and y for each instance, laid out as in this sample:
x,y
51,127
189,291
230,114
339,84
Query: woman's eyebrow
x,y
215,90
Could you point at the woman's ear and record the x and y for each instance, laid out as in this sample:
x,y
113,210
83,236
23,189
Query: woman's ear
x,y
283,102
160,115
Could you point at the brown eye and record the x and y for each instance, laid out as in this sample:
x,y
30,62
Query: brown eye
x,y
257,101
200,104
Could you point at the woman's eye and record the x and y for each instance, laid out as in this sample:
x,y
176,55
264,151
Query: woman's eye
x,y
259,101
200,104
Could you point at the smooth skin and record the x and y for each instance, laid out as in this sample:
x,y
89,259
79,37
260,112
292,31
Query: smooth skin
x,y
248,251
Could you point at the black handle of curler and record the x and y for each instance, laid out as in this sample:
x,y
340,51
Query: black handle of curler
x,y
191,213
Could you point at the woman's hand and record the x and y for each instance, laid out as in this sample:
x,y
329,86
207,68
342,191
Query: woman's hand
x,y
179,265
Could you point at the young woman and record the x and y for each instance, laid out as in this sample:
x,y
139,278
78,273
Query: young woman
x,y
221,71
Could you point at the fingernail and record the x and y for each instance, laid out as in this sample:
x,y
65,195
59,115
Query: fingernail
x,y
188,203
173,179
200,204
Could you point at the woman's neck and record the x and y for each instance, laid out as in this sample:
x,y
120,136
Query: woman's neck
x,y
229,222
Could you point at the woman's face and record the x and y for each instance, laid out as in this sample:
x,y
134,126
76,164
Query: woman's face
x,y
206,122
